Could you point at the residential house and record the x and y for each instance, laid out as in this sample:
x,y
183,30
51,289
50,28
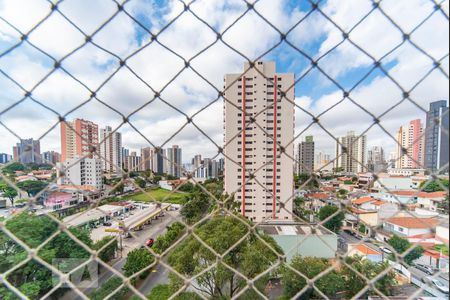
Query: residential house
x,y
410,226
366,252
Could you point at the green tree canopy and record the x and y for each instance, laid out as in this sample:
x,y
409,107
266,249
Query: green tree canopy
x,y
137,260
251,256
401,245
436,185
335,223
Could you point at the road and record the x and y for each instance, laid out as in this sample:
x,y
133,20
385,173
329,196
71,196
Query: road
x,y
159,275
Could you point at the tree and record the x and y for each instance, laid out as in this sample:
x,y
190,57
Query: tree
x,y
443,205
174,232
355,283
335,223
140,182
251,257
401,245
188,187
33,279
8,192
436,185
32,187
329,284
195,208
137,260
13,167
118,189
111,246
107,288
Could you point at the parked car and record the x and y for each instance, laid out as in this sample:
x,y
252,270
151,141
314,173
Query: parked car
x,y
440,285
150,242
107,223
426,269
386,250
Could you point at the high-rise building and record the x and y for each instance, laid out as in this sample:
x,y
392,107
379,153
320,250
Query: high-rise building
x,y
322,162
436,139
174,161
133,162
257,97
306,156
111,150
392,161
78,139
410,138
147,158
5,158
81,172
376,161
28,152
351,153
51,157
197,166
159,161
125,152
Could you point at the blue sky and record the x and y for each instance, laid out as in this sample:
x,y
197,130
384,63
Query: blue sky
x,y
251,35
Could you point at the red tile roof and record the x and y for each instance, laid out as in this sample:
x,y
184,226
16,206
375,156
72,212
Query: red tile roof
x,y
379,202
413,193
363,200
413,222
367,250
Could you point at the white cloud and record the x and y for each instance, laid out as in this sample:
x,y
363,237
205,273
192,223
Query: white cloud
x,y
188,92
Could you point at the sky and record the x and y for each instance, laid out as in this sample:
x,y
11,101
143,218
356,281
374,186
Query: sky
x,y
160,66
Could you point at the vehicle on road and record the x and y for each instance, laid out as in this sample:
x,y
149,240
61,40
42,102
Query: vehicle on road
x,y
150,242
386,250
439,285
426,269
107,223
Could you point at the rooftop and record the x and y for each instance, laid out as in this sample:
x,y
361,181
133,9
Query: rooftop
x,y
363,200
290,230
367,250
413,222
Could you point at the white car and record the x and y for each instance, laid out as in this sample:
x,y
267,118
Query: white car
x,y
386,250
440,286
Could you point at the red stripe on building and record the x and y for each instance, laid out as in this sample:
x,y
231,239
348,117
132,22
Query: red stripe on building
x,y
275,122
244,115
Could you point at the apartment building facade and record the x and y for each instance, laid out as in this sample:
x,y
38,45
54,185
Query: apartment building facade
x,y
305,155
259,129
78,138
436,139
411,138
111,150
351,153
81,172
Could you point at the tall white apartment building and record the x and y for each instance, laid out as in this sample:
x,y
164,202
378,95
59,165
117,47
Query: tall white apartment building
x,y
85,172
111,150
251,150
351,153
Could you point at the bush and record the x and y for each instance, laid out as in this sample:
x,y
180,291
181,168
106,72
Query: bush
x,y
107,288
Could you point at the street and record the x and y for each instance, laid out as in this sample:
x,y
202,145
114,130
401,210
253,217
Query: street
x,y
157,276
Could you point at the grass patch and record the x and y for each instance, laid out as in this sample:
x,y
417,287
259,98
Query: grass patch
x,y
159,195
443,248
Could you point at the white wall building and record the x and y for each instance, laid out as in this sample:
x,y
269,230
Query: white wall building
x,y
353,160
111,150
252,97
84,172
